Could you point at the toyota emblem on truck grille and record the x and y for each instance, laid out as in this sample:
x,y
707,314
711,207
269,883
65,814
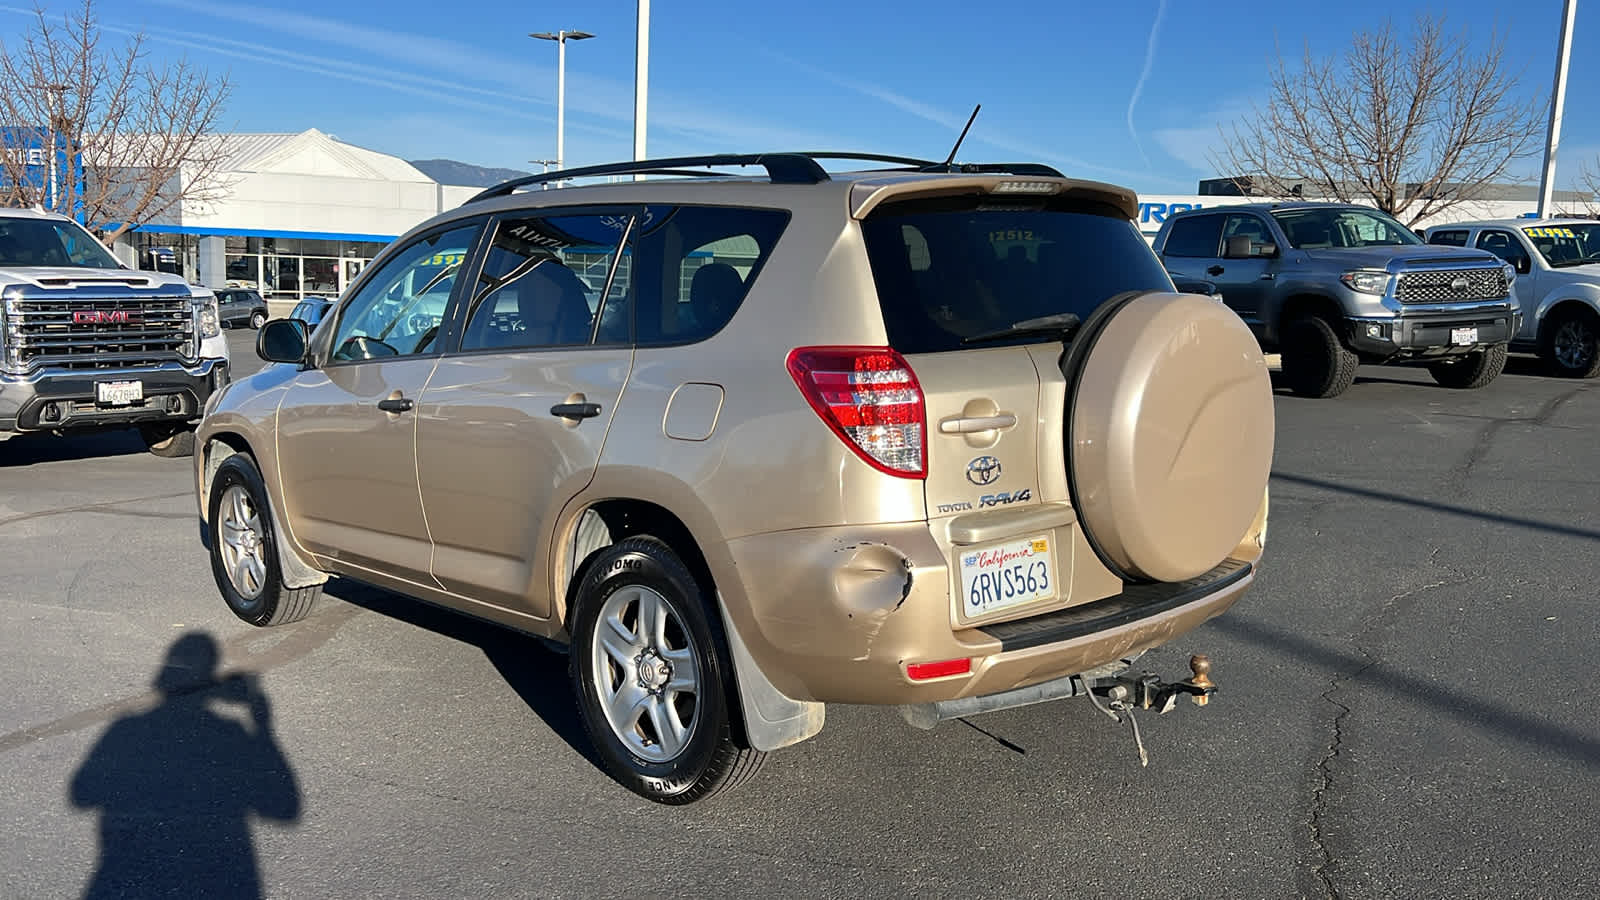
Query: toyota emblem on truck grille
x,y
1460,284
983,470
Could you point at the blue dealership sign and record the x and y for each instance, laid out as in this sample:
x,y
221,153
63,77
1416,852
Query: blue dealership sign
x,y
28,153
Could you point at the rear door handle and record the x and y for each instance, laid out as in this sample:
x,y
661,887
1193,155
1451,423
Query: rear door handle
x,y
396,405
974,424
1214,270
575,410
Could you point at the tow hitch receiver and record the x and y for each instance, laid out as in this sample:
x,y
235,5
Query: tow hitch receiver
x,y
1124,693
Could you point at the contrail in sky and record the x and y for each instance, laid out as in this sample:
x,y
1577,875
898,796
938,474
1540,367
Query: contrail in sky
x,y
1138,87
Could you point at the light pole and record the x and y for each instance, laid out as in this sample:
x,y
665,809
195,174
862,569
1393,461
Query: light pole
x,y
561,38
641,78
1558,99
545,165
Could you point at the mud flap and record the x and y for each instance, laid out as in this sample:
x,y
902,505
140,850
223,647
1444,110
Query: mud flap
x,y
772,719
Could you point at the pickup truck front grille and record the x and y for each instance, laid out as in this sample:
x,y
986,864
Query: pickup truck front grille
x,y
98,332
1451,285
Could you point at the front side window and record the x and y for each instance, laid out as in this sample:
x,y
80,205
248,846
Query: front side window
x,y
1321,228
542,281
1246,225
1194,236
399,310
1503,245
43,242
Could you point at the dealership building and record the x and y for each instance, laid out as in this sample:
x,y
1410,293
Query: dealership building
x,y
296,215
301,214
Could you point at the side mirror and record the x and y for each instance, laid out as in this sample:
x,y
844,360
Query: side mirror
x,y
1524,265
282,340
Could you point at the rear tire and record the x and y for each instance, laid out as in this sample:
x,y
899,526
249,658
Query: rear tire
x,y
168,441
1472,371
1315,363
653,677
258,319
1569,343
244,548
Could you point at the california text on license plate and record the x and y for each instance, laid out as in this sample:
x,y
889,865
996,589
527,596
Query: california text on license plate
x,y
1004,575
118,393
1463,335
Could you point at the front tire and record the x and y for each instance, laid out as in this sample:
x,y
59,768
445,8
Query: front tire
x,y
1472,371
244,548
168,441
1570,344
653,677
1315,363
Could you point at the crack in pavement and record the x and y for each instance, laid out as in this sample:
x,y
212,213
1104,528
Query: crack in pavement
x,y
108,506
299,643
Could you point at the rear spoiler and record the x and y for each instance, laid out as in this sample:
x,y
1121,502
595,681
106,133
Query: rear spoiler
x,y
865,196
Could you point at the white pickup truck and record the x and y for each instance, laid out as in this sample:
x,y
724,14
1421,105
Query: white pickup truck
x,y
86,343
1557,286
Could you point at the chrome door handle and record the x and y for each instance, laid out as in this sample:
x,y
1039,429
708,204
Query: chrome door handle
x,y
972,424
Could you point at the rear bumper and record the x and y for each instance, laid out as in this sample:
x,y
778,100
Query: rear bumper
x,y
838,614
52,399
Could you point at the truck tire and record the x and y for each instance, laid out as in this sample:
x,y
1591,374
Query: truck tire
x,y
1472,371
168,441
1169,433
1315,363
244,548
637,683
1569,343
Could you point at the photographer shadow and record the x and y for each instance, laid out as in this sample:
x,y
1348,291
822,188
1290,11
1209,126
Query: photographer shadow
x,y
178,786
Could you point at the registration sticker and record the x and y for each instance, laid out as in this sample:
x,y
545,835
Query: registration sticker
x,y
1000,576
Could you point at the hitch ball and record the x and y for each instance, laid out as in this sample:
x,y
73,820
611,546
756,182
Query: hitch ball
x,y
1200,665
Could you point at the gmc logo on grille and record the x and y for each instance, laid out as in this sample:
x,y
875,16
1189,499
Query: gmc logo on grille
x,y
102,317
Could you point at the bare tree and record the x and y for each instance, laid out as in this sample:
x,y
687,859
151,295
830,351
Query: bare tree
x,y
1415,127
142,130
1589,184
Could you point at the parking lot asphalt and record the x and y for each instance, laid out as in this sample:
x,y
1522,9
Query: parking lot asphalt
x,y
1404,709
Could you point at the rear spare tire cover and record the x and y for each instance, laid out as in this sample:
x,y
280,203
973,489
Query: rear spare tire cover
x,y
1171,434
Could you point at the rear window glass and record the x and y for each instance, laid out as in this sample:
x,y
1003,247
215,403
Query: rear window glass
x,y
1193,236
696,265
946,273
1448,238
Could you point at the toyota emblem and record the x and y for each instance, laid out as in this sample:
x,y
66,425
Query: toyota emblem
x,y
1460,284
983,470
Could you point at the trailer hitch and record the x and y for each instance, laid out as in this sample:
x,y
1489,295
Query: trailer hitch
x,y
1123,693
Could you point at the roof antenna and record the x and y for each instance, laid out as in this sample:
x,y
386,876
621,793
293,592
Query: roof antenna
x,y
951,158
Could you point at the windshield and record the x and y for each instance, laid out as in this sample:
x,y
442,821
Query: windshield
x,y
1567,245
1341,226
47,242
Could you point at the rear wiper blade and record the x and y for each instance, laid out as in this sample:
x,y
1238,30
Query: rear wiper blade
x,y
1061,325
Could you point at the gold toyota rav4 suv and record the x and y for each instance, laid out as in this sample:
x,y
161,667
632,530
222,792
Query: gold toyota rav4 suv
x,y
934,436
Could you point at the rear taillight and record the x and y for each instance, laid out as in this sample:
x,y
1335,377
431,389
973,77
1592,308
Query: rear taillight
x,y
869,397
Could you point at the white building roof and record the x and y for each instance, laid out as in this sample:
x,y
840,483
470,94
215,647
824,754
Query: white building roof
x,y
311,152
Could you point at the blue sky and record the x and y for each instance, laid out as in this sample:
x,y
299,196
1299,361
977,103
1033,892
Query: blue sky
x,y
1131,92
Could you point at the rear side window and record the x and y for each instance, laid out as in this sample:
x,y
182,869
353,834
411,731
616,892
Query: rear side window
x,y
1448,238
1199,236
947,272
696,266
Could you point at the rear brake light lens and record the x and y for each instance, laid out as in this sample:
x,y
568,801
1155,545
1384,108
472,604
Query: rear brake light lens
x,y
942,669
1026,187
870,398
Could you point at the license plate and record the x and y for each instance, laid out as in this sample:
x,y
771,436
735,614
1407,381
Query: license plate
x,y
1005,575
1463,336
119,393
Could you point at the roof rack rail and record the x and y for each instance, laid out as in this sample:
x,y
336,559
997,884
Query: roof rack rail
x,y
782,168
912,164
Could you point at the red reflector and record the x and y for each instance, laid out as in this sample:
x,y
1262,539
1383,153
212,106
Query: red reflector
x,y
940,669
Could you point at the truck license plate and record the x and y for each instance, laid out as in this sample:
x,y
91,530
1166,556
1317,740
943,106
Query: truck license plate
x,y
1463,336
1005,575
119,393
